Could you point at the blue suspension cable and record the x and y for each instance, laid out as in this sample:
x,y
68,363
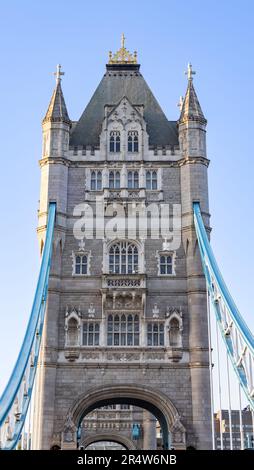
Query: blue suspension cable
x,y
25,367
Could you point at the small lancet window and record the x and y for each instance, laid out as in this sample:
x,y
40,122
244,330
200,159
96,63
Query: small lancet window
x,y
133,141
133,180
96,180
151,179
114,142
114,180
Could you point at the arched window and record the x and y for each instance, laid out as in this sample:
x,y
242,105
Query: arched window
x,y
93,180
96,180
72,336
166,264
114,180
114,141
133,180
133,141
123,330
174,333
155,334
81,264
123,258
91,333
151,179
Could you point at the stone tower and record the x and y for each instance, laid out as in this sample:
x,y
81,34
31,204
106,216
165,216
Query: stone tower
x,y
126,319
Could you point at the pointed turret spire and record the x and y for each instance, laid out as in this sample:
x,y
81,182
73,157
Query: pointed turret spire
x,y
57,111
191,109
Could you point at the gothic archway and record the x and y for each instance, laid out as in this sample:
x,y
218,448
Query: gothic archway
x,y
145,397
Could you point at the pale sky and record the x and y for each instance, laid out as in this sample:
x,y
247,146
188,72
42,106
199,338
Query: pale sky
x,y
217,37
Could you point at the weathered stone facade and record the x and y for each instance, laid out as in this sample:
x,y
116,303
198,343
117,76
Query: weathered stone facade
x,y
167,374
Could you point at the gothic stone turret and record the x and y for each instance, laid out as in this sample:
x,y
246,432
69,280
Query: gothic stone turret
x,y
194,187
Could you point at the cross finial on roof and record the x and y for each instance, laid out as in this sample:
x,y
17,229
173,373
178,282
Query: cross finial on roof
x,y
123,40
122,56
190,72
58,73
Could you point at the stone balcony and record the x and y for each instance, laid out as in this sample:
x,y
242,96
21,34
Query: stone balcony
x,y
126,195
141,355
124,281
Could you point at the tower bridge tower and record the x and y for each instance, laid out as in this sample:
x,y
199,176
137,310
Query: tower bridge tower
x,y
126,319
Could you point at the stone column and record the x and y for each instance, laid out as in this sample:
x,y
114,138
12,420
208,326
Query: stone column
x,y
149,431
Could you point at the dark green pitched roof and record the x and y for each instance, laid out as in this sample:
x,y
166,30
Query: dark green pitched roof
x,y
120,81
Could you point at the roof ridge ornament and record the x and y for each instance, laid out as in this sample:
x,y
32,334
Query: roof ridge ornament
x,y
122,56
190,72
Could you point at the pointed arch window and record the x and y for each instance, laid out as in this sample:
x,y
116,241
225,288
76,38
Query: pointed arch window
x,y
123,330
123,258
114,179
114,142
151,179
133,180
96,180
133,141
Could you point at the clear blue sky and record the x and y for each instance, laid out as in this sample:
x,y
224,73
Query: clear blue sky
x,y
217,37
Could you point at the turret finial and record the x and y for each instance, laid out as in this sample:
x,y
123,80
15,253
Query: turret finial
x,y
58,73
122,56
122,41
190,72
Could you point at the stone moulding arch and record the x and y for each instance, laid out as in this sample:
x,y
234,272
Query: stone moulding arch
x,y
123,440
140,395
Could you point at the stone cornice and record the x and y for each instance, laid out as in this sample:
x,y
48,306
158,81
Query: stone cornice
x,y
89,163
54,161
192,160
115,365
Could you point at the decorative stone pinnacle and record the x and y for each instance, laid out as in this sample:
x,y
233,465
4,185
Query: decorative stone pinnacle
x,y
180,104
58,73
190,72
122,56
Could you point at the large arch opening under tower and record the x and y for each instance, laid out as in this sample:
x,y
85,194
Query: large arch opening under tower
x,y
157,403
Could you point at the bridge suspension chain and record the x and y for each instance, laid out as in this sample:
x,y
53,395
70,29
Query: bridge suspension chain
x,y
235,333
14,402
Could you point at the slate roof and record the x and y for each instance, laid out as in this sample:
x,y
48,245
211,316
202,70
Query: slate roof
x,y
191,109
57,111
119,81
